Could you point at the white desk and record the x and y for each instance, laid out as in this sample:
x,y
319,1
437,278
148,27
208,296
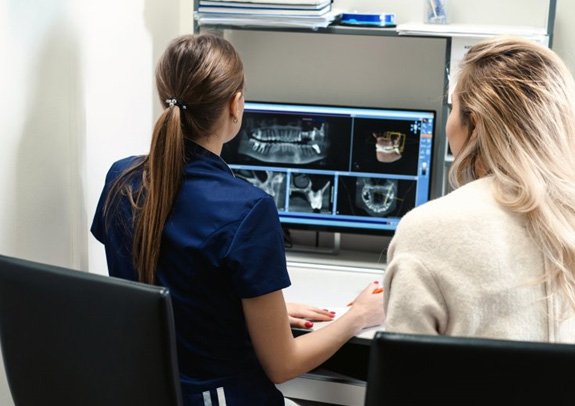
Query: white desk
x,y
332,286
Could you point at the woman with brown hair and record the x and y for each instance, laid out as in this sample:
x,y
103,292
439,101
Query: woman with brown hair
x,y
178,217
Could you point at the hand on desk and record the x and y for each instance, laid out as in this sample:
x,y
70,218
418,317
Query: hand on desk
x,y
369,303
302,315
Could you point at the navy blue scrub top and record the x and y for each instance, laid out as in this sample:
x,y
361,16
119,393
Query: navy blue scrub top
x,y
222,242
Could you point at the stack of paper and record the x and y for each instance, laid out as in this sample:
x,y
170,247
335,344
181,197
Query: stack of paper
x,y
274,13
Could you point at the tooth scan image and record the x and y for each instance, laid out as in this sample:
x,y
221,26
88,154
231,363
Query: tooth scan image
x,y
310,193
273,183
389,145
291,142
376,196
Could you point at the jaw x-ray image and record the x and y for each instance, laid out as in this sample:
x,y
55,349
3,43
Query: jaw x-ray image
x,y
293,141
273,183
310,193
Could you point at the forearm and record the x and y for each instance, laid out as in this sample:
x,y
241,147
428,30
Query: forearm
x,y
284,357
312,349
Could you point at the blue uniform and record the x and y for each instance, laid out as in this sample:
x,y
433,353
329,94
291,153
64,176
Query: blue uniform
x,y
222,242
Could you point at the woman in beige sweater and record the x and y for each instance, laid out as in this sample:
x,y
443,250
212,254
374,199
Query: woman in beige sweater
x,y
496,257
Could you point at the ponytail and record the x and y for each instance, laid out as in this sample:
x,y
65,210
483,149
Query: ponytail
x,y
161,179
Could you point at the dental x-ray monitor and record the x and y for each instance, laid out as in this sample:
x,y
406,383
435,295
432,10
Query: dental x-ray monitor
x,y
333,168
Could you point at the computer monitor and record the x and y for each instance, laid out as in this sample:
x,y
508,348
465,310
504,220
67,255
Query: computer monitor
x,y
336,168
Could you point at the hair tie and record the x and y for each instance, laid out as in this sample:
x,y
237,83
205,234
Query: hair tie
x,y
174,102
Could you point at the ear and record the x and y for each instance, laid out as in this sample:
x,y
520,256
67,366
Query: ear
x,y
236,105
471,125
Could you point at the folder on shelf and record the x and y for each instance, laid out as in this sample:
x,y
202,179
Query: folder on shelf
x,y
468,30
264,11
275,21
250,5
282,2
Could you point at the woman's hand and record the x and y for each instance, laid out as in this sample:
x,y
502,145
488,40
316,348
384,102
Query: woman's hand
x,y
302,315
368,305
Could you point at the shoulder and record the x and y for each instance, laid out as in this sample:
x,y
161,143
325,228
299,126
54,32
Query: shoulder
x,y
250,201
219,199
121,166
235,190
466,215
466,203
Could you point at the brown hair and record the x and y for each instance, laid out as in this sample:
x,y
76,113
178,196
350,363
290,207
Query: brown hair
x,y
196,77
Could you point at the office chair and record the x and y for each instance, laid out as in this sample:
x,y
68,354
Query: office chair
x,y
74,338
406,369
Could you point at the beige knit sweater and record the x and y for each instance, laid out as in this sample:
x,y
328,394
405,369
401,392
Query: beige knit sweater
x,y
463,265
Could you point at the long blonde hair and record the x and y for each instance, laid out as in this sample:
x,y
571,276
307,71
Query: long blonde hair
x,y
517,98
196,77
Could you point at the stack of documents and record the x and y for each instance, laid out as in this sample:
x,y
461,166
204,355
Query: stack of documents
x,y
266,13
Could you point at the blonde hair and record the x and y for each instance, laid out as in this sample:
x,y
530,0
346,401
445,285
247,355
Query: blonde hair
x,y
516,98
196,78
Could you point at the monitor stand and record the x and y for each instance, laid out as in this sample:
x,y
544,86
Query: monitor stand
x,y
333,249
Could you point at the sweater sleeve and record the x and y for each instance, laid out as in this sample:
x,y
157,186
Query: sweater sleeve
x,y
413,301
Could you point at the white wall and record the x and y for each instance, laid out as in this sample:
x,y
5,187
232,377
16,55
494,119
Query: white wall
x,y
77,93
41,113
565,32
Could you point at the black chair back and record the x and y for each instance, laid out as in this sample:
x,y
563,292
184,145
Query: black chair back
x,y
409,369
74,338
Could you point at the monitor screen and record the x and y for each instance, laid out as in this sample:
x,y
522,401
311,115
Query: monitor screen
x,y
335,168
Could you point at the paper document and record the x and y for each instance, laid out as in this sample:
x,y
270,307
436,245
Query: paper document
x,y
264,11
274,21
231,3
286,2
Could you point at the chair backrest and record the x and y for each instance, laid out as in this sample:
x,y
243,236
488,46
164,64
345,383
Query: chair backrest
x,y
406,369
74,338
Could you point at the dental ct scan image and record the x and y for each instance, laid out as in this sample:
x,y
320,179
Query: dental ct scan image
x,y
311,193
294,140
375,197
386,147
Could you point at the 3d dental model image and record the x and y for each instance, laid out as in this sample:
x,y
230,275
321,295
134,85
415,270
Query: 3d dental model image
x,y
389,145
